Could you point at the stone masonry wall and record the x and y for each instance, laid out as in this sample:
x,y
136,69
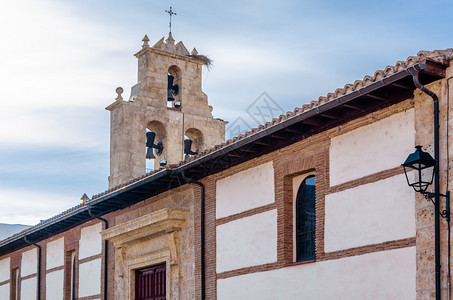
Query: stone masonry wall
x,y
129,120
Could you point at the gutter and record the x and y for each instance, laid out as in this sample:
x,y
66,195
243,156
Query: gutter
x,y
76,216
39,266
337,102
82,209
448,204
340,101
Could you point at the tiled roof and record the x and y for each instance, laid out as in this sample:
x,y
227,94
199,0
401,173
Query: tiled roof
x,y
440,56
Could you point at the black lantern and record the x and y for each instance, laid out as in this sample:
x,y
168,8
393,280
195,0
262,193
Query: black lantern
x,y
423,163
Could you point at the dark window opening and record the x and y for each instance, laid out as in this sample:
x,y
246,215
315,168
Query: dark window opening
x,y
306,219
150,283
73,275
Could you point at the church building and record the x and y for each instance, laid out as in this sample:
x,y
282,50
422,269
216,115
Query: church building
x,y
311,205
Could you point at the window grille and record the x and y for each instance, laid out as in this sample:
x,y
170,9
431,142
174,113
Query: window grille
x,y
150,283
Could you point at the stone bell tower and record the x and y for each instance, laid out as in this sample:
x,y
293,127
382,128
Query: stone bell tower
x,y
166,71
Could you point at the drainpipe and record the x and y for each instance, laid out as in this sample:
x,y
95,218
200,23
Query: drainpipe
x,y
448,193
106,226
39,265
415,72
447,210
202,250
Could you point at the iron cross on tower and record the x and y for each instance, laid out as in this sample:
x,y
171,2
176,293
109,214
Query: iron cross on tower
x,y
171,13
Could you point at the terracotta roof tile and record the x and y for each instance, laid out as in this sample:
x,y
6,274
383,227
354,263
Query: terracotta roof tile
x,y
441,56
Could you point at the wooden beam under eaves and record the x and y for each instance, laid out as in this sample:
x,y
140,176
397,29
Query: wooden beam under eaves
x,y
352,106
279,137
245,149
261,142
402,85
295,130
329,116
234,154
377,96
313,122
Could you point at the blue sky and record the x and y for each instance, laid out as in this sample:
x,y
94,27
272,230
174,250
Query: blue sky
x,y
60,62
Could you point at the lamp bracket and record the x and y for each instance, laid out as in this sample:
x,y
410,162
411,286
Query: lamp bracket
x,y
446,212
429,195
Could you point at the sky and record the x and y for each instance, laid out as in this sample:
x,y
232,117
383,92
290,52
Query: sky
x,y
61,61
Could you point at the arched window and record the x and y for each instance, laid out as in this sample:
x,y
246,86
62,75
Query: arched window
x,y
161,136
196,137
306,219
174,87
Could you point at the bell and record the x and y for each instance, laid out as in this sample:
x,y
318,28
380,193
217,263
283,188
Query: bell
x,y
150,137
150,146
170,81
150,153
170,95
172,89
188,147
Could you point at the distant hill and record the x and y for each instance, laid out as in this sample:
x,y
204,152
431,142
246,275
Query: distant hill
x,y
7,230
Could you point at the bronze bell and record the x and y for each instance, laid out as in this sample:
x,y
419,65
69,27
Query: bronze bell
x,y
188,147
150,146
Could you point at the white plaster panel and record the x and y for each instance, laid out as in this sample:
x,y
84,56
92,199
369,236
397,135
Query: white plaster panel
x,y
369,214
55,254
245,190
55,285
90,278
4,290
247,242
90,241
29,263
379,275
5,271
28,289
379,146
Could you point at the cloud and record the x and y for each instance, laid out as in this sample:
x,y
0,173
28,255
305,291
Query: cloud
x,y
29,207
62,60
51,71
37,127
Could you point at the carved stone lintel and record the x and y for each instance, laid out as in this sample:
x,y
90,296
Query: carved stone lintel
x,y
146,241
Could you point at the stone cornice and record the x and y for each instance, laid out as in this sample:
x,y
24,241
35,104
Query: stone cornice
x,y
114,105
157,223
169,54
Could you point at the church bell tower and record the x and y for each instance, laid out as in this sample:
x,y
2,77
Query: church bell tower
x,y
167,115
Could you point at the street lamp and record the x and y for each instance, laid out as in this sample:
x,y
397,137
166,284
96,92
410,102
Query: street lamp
x,y
426,169
423,163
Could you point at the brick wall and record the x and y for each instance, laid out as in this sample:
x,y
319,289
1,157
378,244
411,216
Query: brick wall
x,y
310,155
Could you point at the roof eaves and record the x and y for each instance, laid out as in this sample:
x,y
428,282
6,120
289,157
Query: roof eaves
x,y
82,208
278,124
341,96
